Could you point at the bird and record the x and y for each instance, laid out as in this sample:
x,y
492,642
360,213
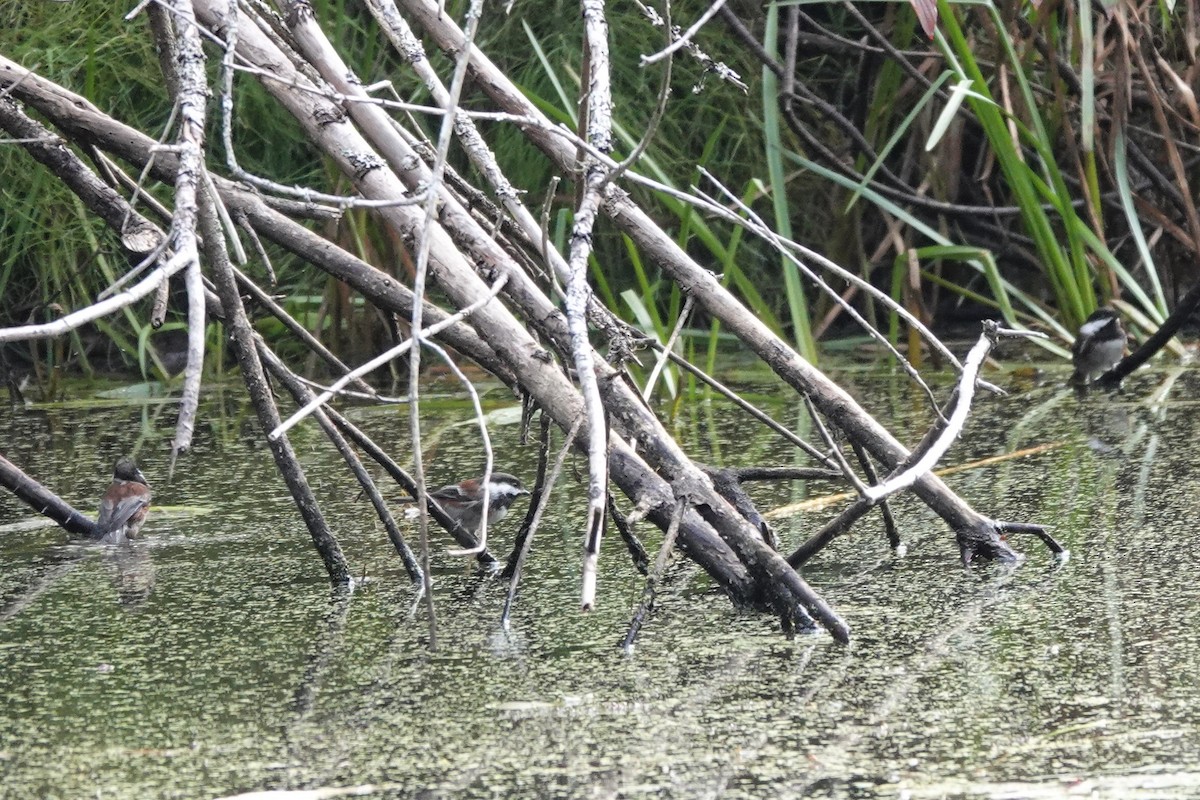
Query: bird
x,y
124,505
463,502
1099,345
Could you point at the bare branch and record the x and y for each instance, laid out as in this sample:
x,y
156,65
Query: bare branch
x,y
384,358
598,93
188,76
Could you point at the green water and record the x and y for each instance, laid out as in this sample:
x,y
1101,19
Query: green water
x,y
210,658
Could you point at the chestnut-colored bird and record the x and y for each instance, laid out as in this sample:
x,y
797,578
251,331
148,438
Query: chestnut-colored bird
x,y
463,502
124,506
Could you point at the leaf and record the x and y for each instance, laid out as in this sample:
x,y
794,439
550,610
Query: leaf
x,y
957,95
135,393
927,15
896,136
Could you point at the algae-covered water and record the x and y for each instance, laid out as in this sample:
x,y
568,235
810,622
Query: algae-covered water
x,y
211,658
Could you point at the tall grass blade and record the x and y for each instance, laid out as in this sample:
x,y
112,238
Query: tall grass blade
x,y
957,95
1121,170
797,303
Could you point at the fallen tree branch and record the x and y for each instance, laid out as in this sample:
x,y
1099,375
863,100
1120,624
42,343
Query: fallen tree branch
x,y
242,336
44,501
657,246
922,460
1155,342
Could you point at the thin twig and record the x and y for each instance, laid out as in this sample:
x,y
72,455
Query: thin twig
x,y
387,356
485,438
745,405
668,346
300,332
685,37
302,394
637,551
885,507
542,502
650,591
660,107
834,449
462,61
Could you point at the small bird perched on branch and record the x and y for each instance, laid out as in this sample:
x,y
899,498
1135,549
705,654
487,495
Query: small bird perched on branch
x,y
1099,345
124,506
463,502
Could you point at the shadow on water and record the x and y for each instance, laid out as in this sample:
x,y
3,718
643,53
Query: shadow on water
x,y
211,658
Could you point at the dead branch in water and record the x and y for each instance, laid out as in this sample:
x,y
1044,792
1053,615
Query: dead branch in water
x,y
502,288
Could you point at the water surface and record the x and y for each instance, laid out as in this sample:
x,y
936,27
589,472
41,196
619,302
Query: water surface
x,y
211,658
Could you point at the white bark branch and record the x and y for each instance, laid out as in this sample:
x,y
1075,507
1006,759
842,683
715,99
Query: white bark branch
x,y
599,135
375,363
967,382
110,304
193,94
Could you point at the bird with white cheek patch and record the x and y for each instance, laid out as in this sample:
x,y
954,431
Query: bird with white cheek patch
x,y
1099,345
463,502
